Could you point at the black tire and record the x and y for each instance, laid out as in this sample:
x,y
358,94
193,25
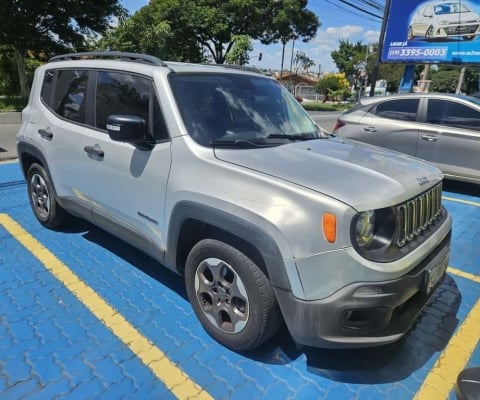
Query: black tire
x,y
231,296
429,33
410,35
42,198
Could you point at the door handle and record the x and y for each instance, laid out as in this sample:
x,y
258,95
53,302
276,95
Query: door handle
x,y
430,138
370,129
46,133
94,151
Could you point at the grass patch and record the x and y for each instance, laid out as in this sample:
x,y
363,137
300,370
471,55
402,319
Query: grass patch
x,y
12,103
320,106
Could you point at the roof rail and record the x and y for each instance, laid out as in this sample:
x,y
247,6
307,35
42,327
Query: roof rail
x,y
145,58
240,67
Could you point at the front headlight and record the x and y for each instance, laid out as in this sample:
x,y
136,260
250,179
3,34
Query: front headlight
x,y
365,228
373,233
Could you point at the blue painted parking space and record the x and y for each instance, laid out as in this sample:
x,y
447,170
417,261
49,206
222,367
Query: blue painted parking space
x,y
55,343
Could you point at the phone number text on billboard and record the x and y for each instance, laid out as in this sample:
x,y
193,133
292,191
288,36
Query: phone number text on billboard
x,y
414,53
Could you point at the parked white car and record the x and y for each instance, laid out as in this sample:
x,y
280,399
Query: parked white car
x,y
443,19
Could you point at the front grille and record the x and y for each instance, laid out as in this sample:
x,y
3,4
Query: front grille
x,y
461,29
417,214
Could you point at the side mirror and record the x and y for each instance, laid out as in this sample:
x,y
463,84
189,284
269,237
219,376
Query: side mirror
x,y
126,128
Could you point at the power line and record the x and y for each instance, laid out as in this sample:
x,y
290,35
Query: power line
x,y
359,8
353,9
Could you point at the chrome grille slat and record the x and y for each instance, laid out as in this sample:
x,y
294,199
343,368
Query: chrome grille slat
x,y
414,216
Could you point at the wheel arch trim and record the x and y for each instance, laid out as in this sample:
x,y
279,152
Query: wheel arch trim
x,y
212,217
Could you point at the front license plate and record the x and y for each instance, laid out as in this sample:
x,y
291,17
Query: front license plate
x,y
436,272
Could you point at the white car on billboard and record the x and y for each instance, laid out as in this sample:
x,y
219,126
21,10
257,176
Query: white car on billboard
x,y
443,19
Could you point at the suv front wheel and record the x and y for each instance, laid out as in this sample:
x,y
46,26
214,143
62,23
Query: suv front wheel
x,y
42,198
231,296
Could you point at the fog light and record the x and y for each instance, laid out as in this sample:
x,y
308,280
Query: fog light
x,y
367,319
368,291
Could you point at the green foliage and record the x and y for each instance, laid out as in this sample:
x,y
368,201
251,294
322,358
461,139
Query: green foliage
x,y
45,27
348,56
393,74
9,84
287,20
445,79
53,25
334,86
320,106
13,103
157,29
181,29
471,83
9,79
134,35
238,54
301,62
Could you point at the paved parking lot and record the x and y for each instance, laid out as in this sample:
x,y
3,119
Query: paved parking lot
x,y
83,315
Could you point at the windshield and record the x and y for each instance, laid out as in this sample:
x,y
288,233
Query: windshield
x,y
243,110
451,8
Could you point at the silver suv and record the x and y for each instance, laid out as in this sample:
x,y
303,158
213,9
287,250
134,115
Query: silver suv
x,y
220,175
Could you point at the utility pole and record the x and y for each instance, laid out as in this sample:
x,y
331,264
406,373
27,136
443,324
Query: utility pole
x,y
424,82
292,86
460,80
380,48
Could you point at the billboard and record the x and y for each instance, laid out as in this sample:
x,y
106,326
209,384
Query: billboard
x,y
432,32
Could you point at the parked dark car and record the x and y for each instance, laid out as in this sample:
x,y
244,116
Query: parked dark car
x,y
443,129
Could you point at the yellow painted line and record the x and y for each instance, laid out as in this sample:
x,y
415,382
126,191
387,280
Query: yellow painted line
x,y
465,275
470,203
177,381
443,376
441,379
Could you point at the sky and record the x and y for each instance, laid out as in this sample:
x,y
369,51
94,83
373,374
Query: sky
x,y
337,22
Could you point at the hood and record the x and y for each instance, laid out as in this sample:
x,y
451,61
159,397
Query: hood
x,y
360,175
458,18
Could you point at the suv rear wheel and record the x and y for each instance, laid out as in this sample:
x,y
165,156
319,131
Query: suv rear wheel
x,y
42,198
231,296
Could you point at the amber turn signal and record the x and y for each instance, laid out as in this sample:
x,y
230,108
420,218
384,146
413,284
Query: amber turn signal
x,y
329,222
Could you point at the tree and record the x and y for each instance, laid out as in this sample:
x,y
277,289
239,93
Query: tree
x,y
393,74
445,79
238,54
302,62
334,86
290,20
158,29
216,25
349,56
136,36
46,26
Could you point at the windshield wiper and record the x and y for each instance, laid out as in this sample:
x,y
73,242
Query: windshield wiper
x,y
238,143
290,137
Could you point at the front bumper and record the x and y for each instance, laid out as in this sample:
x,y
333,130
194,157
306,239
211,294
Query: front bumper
x,y
365,314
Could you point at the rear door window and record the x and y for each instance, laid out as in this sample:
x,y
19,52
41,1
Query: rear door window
x,y
47,88
401,109
70,94
452,114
